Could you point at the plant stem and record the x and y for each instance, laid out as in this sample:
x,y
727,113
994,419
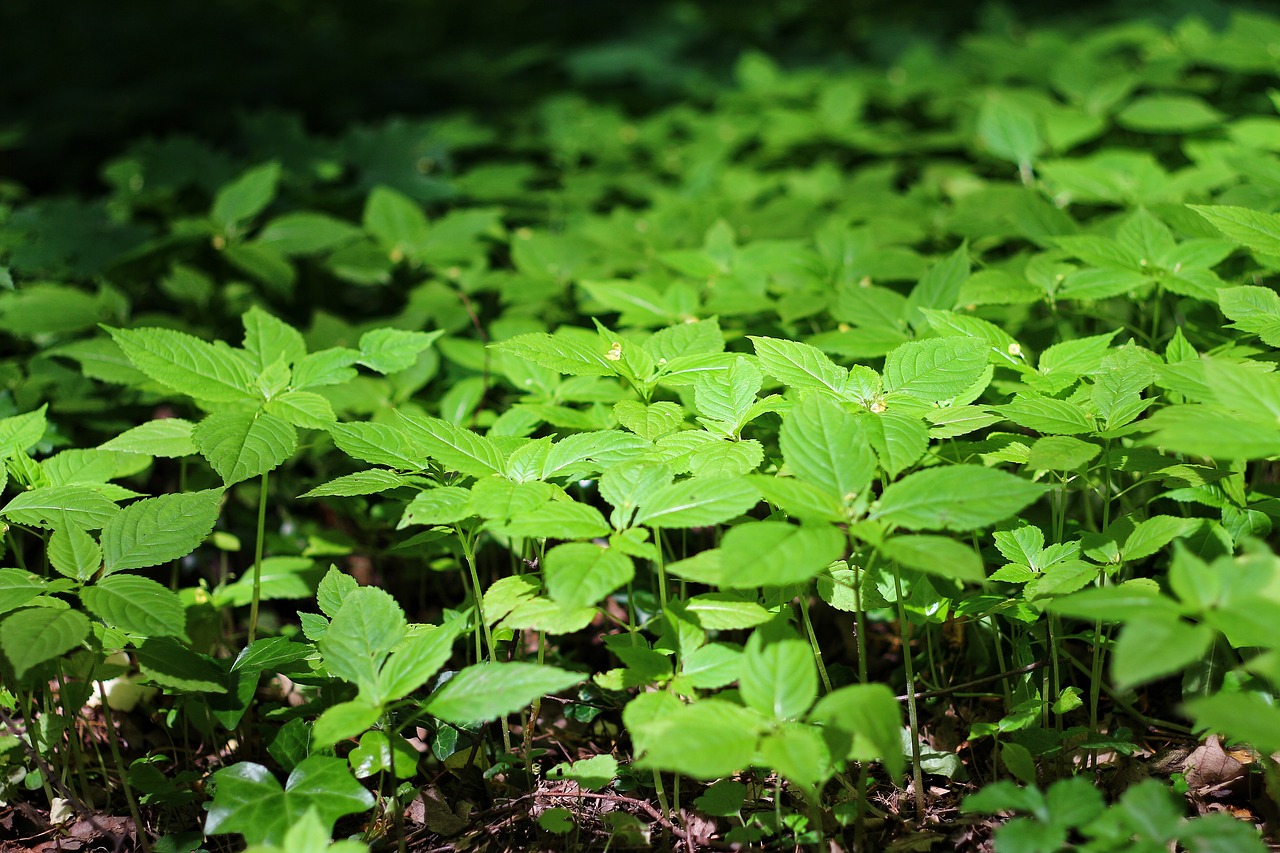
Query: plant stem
x,y
257,558
14,549
469,552
662,571
113,742
917,778
813,642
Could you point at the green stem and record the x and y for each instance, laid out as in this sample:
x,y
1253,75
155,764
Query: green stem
x,y
14,549
114,743
813,642
917,777
468,550
257,558
662,571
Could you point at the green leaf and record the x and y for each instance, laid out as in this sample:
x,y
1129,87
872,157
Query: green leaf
x,y
775,553
958,497
363,632
698,502
342,721
17,588
799,365
136,605
726,611
333,589
171,664
454,447
1245,716
305,232
396,221
241,445
649,421
302,408
383,752
799,753
1046,415
268,339
168,438
935,555
393,350
441,505
778,676
1254,309
561,354
270,653
327,367
281,578
188,365
371,482
74,553
378,444
1008,130
246,196
250,801
869,715
1253,229
417,659
591,774
1213,431
707,740
20,432
1061,453
61,506
580,574
1150,648
558,520
726,397
487,691
939,288
797,498
935,368
726,458
1168,114
156,530
32,636
497,497
824,445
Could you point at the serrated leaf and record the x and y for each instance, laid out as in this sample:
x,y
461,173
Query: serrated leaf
x,y
1061,453
302,408
558,520
697,502
487,691
561,354
775,553
797,498
935,555
416,660
32,636
870,717
17,588
241,444
74,553
249,800
136,605
824,445
393,350
19,432
778,677
188,365
456,448
268,339
333,589
246,196
1046,415
581,574
379,444
1254,309
396,221
156,530
726,459
649,421
362,633
1008,130
441,505
727,396
707,740
799,365
1213,431
1251,228
169,663
1150,648
61,506
957,497
935,368
498,498
305,232
371,482
726,611
168,438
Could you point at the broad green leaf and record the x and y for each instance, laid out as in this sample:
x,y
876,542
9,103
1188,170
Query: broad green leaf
x,y
305,232
454,447
333,590
327,367
707,740
156,530
726,459
344,720
1047,415
649,421
281,578
799,365
871,717
371,482
581,574
441,505
363,632
899,439
19,432
727,611
631,484
383,752
188,365
1247,716
935,368
1154,533
246,196
487,691
1150,648
498,498
591,774
940,286
935,555
1213,431
561,354
558,520
17,588
1061,453
825,446
778,676
268,339
74,553
799,753
1251,228
775,553
270,653
171,664
726,397
379,444
242,444
957,497
698,502
32,636
167,438
1254,309
797,498
137,605
393,350
416,660
302,408
1135,599
1076,357
1168,114
396,221
61,506
249,800
1008,130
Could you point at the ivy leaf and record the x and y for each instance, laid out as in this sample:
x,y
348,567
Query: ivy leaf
x,y
241,445
188,365
34,635
250,801
156,530
487,691
137,605
957,497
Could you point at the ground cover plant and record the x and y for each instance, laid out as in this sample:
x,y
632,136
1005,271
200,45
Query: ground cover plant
x,y
870,456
